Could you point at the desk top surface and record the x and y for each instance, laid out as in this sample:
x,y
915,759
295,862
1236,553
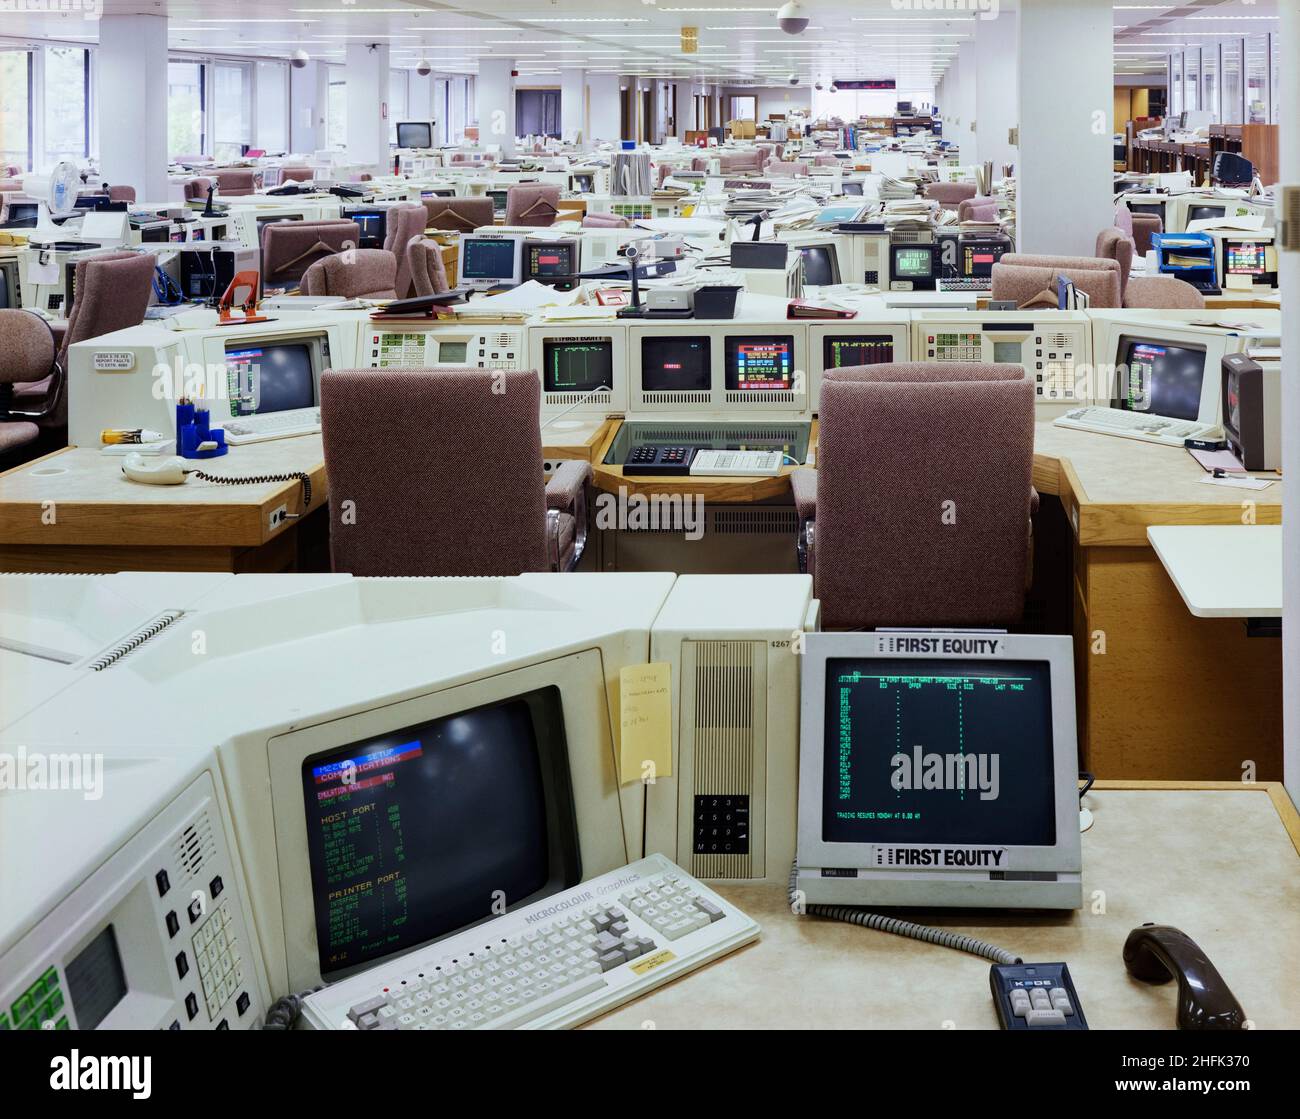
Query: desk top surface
x,y
1223,571
1146,858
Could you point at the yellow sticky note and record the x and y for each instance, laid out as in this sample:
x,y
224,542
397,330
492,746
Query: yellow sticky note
x,y
645,720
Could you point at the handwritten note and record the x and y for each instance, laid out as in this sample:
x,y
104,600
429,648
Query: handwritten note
x,y
646,741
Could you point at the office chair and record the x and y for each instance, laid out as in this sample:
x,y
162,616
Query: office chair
x,y
404,224
700,163
197,189
233,182
977,208
427,270
1030,281
930,526
532,204
469,499
950,195
1138,228
353,274
732,162
289,248
296,174
604,221
29,349
463,215
825,160
1152,292
780,169
121,194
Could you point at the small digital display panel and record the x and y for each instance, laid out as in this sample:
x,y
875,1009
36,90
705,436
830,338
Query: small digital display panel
x,y
912,262
550,262
1161,379
1007,352
671,364
938,751
577,364
96,980
820,265
487,258
760,364
417,833
844,351
453,353
1245,258
282,377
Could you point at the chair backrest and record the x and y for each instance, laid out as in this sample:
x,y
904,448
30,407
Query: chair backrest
x,y
532,204
425,265
1124,220
296,174
604,221
781,169
112,293
27,343
824,159
950,195
1112,244
289,248
353,274
930,526
1021,276
699,163
404,224
234,181
197,188
468,500
977,209
121,194
464,214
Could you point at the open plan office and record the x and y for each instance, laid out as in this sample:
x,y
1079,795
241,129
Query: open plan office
x,y
533,515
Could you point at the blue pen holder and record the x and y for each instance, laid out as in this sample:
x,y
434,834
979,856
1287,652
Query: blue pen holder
x,y
194,426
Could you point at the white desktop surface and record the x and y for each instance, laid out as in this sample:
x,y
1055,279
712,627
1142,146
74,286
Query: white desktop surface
x,y
1223,571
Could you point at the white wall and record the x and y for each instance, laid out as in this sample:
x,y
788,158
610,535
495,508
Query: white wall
x,y
1289,281
996,102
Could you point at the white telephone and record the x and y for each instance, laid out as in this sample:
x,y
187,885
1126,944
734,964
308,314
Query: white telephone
x,y
168,471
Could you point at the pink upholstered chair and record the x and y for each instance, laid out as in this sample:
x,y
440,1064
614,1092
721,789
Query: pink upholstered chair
x,y
1145,291
464,215
532,204
947,538
28,348
428,272
977,209
404,224
353,274
950,195
121,194
823,159
289,248
1021,277
733,163
296,174
780,169
233,182
470,500
604,221
700,163
197,189
1138,228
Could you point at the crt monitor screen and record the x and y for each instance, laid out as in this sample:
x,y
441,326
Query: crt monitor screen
x,y
1245,258
943,751
23,215
844,351
821,265
577,364
1160,378
670,364
416,833
414,134
8,289
498,201
760,364
485,258
283,377
550,261
979,257
372,224
912,262
1152,209
1204,213
853,188
584,183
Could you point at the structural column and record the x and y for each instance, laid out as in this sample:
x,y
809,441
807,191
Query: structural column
x,y
496,104
308,100
605,119
368,86
573,106
1289,281
131,69
995,105
1066,97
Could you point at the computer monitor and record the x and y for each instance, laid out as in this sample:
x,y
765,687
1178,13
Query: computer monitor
x,y
577,365
913,267
415,133
1205,213
554,263
10,292
279,375
498,200
489,260
821,264
845,351
978,255
372,226
759,363
22,215
851,188
1160,377
583,182
676,364
1151,209
1254,257
1231,169
939,768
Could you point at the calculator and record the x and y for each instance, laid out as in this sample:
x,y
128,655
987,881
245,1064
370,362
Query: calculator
x,y
1036,997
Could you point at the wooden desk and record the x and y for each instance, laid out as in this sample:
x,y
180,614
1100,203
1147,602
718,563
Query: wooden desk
x,y
1146,855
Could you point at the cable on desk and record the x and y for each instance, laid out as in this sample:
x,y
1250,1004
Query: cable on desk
x,y
1088,780
300,476
285,1012
855,915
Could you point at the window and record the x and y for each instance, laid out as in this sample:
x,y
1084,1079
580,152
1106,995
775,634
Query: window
x,y
67,119
1210,80
271,115
742,108
1192,80
398,101
15,108
232,109
1176,84
1232,107
336,111
185,132
1257,68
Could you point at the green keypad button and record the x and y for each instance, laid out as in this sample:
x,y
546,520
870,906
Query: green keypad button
x,y
4,1021
63,1024
21,1008
51,979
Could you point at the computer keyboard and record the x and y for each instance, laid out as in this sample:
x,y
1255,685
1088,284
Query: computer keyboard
x,y
1134,425
272,425
555,963
725,464
967,283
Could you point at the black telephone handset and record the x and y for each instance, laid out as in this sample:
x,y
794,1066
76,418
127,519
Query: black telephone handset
x,y
1158,953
